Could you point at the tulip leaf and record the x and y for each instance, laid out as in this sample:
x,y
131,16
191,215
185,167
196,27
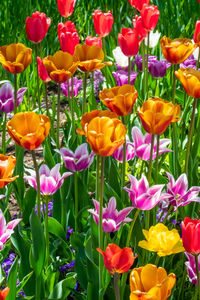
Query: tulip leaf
x,y
49,160
56,228
12,280
28,204
63,288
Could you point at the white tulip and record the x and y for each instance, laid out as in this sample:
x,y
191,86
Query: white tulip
x,y
120,58
153,39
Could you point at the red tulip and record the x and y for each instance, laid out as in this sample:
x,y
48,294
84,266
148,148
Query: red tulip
x,y
196,36
66,7
93,41
42,71
117,260
68,37
138,3
191,235
139,27
129,41
37,27
150,15
102,22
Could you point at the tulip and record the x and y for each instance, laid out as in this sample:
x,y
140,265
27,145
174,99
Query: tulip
x,y
150,15
138,26
66,7
7,98
4,293
112,219
151,282
120,58
121,77
156,114
178,50
128,41
142,144
50,180
104,131
102,22
153,39
28,129
60,67
141,195
76,161
117,260
15,58
162,240
119,99
37,27
190,80
191,267
7,165
190,62
77,85
130,152
138,4
196,36
158,68
67,26
6,230
93,41
89,58
68,37
42,72
138,61
191,236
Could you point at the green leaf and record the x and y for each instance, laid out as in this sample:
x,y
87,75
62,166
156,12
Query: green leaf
x,y
56,228
23,282
12,280
63,288
28,204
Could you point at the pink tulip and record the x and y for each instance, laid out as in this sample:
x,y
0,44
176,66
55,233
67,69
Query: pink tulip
x,y
6,230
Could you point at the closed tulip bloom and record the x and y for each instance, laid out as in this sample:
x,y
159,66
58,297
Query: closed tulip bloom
x,y
4,293
28,129
120,58
68,37
89,58
158,68
129,41
130,152
119,99
94,41
37,27
153,39
162,240
42,71
190,79
102,22
121,77
196,36
151,282
7,165
15,58
66,7
60,67
191,235
156,114
150,15
138,4
138,26
178,50
117,260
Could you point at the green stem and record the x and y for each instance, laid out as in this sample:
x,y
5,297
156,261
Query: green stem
x,y
141,170
72,107
47,230
147,69
76,200
38,288
101,229
150,160
174,85
116,286
84,107
157,155
58,118
46,98
4,134
157,260
174,134
129,70
15,93
97,178
38,182
190,134
38,79
144,70
198,60
198,276
104,46
123,167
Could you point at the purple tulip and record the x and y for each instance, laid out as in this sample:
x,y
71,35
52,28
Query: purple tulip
x,y
190,62
158,68
50,180
6,230
138,61
191,267
77,84
7,98
121,77
111,218
141,195
142,144
130,152
178,194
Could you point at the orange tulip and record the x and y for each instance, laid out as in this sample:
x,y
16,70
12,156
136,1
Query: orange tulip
x,y
60,67
7,164
156,114
104,131
15,58
89,58
28,129
150,282
119,99
4,293
178,50
190,79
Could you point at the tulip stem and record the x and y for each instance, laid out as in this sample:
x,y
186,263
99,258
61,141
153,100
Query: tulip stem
x,y
76,200
70,100
72,106
190,134
97,177
116,286
58,117
104,46
15,94
151,156
47,230
157,155
174,138
101,229
38,182
38,288
147,61
38,79
144,70
129,70
123,168
198,277
46,98
4,134
84,107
